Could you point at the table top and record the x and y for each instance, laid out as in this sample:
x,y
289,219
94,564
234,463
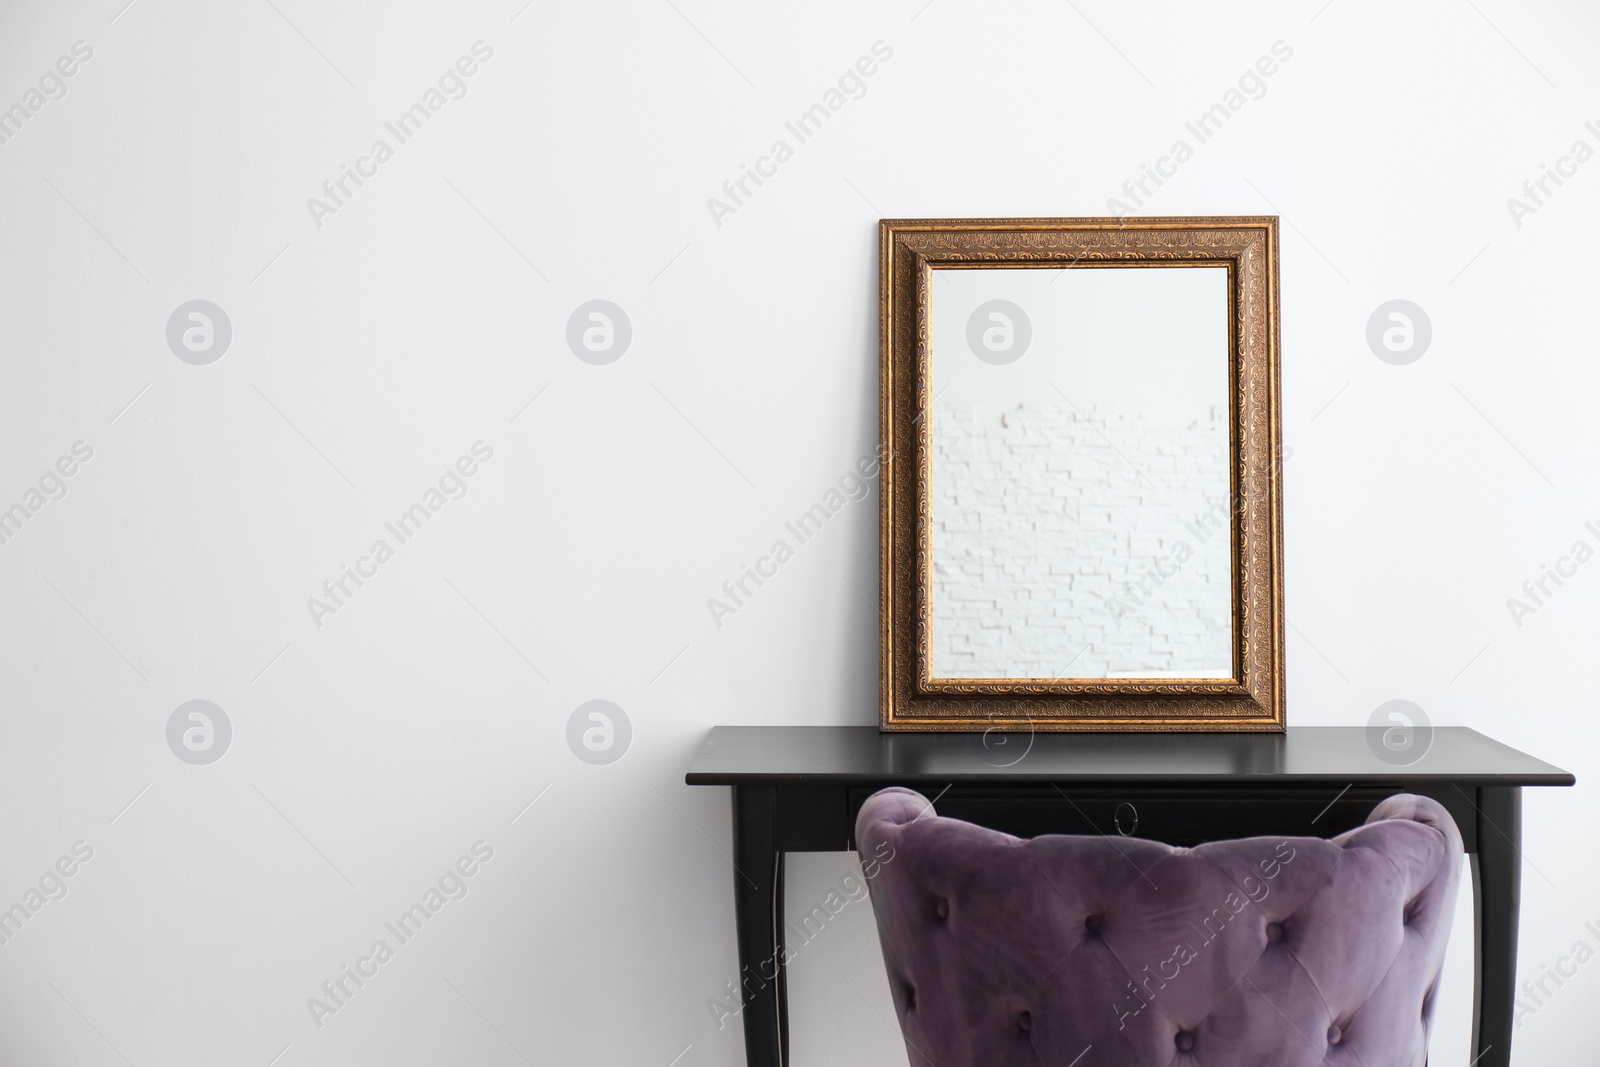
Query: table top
x,y
823,755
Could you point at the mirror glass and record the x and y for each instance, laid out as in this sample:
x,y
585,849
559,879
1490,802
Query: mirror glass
x,y
1079,473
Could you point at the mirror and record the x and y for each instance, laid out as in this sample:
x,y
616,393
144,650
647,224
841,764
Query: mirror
x,y
1079,473
1081,504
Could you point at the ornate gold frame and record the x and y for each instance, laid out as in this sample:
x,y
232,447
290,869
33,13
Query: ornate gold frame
x,y
909,250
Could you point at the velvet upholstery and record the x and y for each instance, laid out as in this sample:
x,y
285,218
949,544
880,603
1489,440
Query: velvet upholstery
x,y
1121,952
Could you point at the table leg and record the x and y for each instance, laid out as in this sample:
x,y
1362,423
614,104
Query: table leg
x,y
758,915
1497,885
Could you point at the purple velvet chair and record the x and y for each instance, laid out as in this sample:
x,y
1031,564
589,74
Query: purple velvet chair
x,y
1121,952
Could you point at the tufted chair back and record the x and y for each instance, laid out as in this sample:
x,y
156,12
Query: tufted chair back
x,y
1120,952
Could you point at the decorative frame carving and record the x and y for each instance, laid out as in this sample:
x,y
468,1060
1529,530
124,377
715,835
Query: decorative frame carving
x,y
1253,700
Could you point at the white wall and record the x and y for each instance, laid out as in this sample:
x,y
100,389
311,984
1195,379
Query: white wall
x,y
370,353
1079,544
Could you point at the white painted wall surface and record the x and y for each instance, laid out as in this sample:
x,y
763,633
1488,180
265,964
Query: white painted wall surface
x,y
1079,544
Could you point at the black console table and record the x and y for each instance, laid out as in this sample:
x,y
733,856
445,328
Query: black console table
x,y
798,788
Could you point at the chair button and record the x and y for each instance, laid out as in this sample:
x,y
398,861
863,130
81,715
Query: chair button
x,y
1184,1040
942,909
1025,1021
1335,1035
1274,932
1093,924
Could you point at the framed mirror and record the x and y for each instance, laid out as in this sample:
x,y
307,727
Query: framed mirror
x,y
1081,501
